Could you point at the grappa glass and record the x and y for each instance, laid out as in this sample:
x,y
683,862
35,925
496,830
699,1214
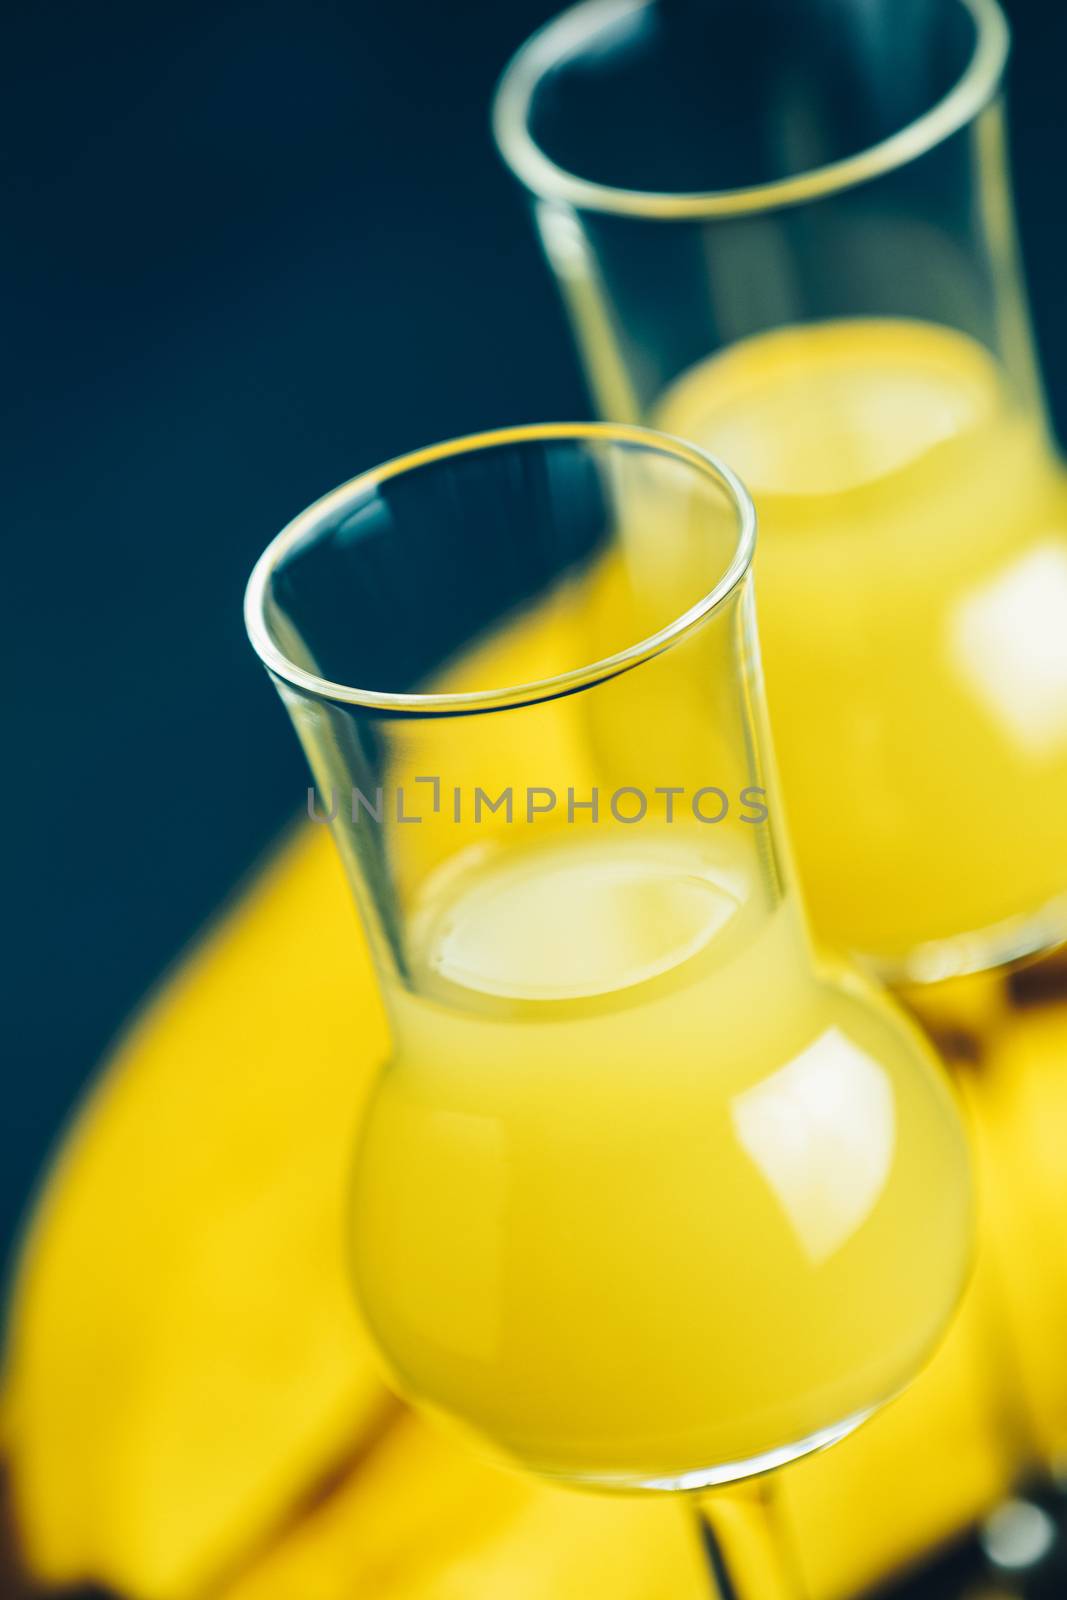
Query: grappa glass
x,y
648,1196
784,230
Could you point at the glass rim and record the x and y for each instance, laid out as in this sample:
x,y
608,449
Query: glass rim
x,y
969,95
319,516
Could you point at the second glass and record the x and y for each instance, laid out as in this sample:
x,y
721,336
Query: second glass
x,y
784,230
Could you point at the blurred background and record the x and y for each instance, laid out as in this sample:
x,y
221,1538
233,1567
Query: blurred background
x,y
252,249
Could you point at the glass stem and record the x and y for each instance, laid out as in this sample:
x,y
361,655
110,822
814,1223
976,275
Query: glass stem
x,y
747,1544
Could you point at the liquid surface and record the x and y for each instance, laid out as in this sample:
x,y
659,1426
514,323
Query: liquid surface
x,y
912,596
639,1194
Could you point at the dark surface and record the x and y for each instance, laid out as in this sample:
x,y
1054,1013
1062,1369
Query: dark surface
x,y
251,249
255,249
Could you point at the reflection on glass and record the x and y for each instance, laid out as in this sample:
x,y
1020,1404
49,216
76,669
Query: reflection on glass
x,y
822,1130
1009,643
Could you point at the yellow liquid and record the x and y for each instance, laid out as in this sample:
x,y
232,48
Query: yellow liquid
x,y
912,597
641,1195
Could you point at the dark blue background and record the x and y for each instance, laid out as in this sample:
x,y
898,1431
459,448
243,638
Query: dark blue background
x,y
250,250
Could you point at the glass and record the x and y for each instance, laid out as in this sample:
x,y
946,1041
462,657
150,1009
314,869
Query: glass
x,y
784,231
631,1125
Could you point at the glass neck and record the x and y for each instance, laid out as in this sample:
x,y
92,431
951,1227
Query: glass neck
x,y
932,241
535,846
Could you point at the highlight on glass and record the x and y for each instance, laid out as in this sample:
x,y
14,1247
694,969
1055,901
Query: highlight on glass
x,y
783,230
630,1121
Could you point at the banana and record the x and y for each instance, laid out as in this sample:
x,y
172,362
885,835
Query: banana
x,y
189,1401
